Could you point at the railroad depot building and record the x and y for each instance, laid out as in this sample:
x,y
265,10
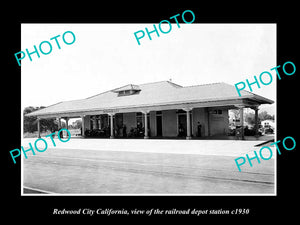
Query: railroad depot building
x,y
158,109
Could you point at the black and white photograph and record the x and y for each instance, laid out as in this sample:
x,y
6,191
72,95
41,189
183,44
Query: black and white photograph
x,y
138,112
162,117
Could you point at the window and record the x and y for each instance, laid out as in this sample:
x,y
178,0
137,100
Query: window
x,y
216,111
127,92
139,120
129,89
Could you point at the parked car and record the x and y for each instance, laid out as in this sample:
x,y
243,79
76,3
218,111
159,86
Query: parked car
x,y
269,131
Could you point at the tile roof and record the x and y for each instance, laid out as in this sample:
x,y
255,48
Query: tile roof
x,y
156,93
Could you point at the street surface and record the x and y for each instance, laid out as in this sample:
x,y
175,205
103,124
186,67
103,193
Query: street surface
x,y
104,166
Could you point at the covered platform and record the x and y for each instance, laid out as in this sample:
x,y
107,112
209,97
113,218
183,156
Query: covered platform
x,y
159,110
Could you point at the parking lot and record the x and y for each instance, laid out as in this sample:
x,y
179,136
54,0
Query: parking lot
x,y
146,167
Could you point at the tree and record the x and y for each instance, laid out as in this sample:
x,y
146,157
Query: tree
x,y
250,118
265,116
30,122
77,124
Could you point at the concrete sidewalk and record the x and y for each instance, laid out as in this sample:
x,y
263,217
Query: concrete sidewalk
x,y
199,147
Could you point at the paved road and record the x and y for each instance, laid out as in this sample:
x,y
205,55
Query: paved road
x,y
82,171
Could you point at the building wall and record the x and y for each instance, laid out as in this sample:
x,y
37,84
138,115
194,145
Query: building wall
x,y
152,124
211,124
199,116
129,119
87,122
169,123
219,122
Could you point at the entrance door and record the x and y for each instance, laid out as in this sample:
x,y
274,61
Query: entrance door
x,y
119,124
181,125
158,126
182,128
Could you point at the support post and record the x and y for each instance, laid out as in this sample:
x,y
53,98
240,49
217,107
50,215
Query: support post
x,y
93,118
67,126
96,126
59,123
256,122
82,126
59,127
242,122
208,122
146,136
188,123
38,127
67,121
111,115
100,121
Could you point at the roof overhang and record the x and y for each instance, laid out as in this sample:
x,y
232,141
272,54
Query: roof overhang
x,y
230,103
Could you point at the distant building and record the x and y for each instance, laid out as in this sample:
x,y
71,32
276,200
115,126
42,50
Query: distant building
x,y
268,124
159,109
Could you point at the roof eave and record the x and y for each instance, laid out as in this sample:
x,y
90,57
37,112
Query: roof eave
x,y
261,99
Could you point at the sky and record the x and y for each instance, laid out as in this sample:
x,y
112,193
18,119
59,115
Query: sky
x,y
107,56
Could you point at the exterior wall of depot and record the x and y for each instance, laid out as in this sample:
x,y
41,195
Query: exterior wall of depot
x,y
219,123
211,123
